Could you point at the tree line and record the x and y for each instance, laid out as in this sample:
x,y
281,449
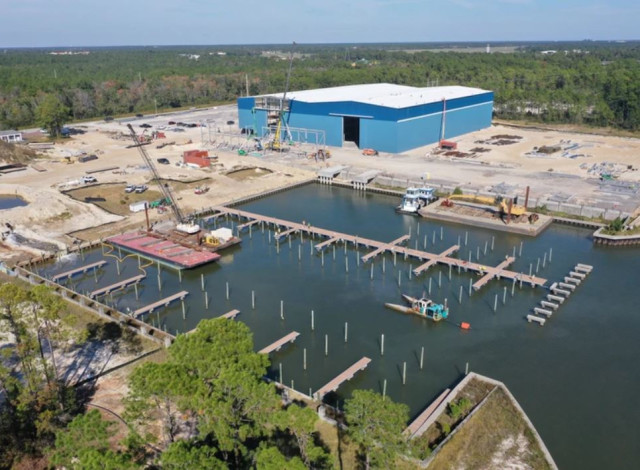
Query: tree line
x,y
207,406
591,83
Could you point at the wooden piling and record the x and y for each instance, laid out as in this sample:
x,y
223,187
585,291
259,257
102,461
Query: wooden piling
x,y
346,331
382,344
304,359
326,345
495,303
253,300
282,309
421,357
227,289
202,282
493,239
404,373
312,321
384,388
460,296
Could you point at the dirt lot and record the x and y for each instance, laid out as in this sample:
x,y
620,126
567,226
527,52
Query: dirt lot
x,y
568,175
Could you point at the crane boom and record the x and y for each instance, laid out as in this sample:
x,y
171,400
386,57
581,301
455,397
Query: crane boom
x,y
165,189
276,139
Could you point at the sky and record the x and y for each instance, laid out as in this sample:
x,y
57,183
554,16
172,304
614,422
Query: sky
x,y
76,23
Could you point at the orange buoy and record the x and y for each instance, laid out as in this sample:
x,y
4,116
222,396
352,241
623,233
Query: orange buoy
x,y
464,325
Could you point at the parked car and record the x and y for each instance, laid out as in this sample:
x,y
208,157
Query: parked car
x,y
192,124
130,188
172,123
87,158
108,118
146,126
89,179
230,123
163,161
139,115
141,188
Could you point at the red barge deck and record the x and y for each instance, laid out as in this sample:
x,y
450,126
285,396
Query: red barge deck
x,y
159,248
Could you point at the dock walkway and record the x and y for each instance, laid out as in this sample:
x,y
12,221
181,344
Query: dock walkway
x,y
415,426
81,269
160,303
275,346
117,285
231,315
380,247
348,374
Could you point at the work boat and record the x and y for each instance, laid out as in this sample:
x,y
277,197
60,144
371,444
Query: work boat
x,y
422,307
410,204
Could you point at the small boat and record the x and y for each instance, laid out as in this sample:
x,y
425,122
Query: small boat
x,y
410,204
422,307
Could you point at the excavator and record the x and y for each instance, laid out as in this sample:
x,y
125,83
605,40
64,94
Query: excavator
x,y
504,206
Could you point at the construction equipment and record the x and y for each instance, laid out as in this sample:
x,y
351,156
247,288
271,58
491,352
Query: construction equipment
x,y
505,206
165,189
276,144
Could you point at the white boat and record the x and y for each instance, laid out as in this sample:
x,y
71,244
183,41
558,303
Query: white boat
x,y
425,194
410,204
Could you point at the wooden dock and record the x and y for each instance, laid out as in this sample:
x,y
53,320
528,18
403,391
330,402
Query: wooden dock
x,y
161,303
348,374
328,242
391,246
380,247
432,261
117,285
286,233
414,428
81,269
241,227
275,346
231,315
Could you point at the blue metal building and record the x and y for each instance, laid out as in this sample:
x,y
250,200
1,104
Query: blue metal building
x,y
381,116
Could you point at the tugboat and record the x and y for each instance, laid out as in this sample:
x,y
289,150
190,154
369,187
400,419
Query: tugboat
x,y
422,307
410,204
416,198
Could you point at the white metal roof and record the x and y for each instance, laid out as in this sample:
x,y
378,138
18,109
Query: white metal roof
x,y
382,94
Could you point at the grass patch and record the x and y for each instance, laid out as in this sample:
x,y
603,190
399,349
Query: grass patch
x,y
543,210
111,197
495,437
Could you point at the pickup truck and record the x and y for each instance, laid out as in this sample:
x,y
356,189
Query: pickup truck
x,y
89,179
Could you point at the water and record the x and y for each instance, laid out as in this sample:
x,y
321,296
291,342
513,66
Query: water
x,y
9,202
575,377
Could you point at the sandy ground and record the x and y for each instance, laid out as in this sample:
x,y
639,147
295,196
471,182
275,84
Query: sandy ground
x,y
57,218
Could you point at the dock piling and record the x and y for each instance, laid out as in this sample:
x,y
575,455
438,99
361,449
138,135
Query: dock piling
x,y
441,233
304,359
346,331
384,388
460,296
206,301
322,258
485,246
118,266
312,320
466,238
95,275
404,373
495,303
346,263
513,287
180,275
550,254
504,295
449,272
202,282
383,265
538,266
424,242
299,252
439,279
184,310
421,357
530,269
544,260
253,300
326,345
470,286
135,287
227,288
433,239
410,271
478,253
280,369
520,250
399,278
514,252
282,309
372,271
382,344
466,369
493,239
429,286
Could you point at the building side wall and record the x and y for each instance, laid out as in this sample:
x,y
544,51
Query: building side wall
x,y
379,135
331,125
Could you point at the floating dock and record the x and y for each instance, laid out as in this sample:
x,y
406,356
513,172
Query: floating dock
x,y
81,269
348,374
275,346
378,247
118,285
433,261
155,247
161,303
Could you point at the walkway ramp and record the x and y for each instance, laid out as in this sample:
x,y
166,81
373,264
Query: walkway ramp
x,y
275,346
81,269
383,248
415,427
117,285
348,374
246,225
332,171
286,233
366,177
161,303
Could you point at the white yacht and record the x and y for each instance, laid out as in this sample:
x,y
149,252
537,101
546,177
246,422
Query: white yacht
x,y
410,204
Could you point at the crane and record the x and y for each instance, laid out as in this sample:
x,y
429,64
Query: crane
x,y
276,144
164,188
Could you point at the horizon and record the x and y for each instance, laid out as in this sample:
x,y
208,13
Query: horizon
x,y
43,24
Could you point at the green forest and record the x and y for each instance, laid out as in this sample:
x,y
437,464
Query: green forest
x,y
590,83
